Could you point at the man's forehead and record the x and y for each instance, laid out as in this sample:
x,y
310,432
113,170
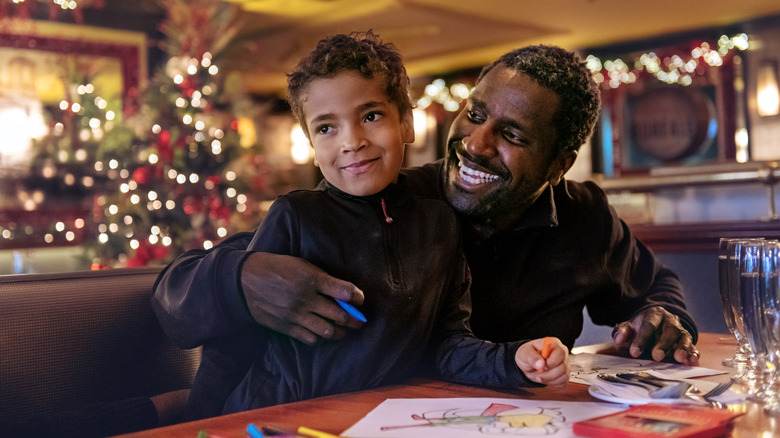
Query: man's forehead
x,y
500,81
500,73
515,88
504,88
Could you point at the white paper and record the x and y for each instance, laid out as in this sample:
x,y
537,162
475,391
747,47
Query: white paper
x,y
586,366
475,417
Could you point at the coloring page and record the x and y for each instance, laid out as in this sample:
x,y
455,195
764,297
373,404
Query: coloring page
x,y
475,417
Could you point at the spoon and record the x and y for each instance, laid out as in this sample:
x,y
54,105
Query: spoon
x,y
675,390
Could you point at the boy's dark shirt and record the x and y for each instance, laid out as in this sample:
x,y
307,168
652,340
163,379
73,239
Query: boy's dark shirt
x,y
571,250
415,279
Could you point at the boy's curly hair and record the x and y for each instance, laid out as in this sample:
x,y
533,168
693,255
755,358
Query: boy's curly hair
x,y
362,52
564,73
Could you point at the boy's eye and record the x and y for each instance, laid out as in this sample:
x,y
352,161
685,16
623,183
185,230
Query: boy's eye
x,y
323,129
373,116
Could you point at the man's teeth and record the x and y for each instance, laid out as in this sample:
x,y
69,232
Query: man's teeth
x,y
473,176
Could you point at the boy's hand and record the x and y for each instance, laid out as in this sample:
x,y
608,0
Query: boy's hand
x,y
553,370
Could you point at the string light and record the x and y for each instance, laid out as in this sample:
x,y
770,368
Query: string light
x,y
448,97
671,69
674,69
23,9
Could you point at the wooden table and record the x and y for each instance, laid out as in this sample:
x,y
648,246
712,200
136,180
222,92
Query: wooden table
x,y
335,414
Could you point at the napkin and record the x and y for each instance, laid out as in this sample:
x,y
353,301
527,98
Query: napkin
x,y
630,394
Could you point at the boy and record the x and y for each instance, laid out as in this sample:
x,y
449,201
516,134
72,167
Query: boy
x,y
363,224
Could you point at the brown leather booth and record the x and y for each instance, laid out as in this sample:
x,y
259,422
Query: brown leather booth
x,y
72,339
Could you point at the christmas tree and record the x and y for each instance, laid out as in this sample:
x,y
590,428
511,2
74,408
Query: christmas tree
x,y
182,189
169,175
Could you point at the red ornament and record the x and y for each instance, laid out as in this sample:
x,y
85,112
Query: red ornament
x,y
141,175
223,212
188,86
142,255
160,252
214,202
164,149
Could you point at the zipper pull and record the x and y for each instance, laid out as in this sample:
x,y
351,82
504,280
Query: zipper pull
x,y
388,219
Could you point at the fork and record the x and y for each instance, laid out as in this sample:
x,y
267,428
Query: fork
x,y
714,392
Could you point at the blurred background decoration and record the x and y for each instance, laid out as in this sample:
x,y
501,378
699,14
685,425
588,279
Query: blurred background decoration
x,y
133,131
24,9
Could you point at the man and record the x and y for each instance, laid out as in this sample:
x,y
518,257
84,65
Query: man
x,y
540,248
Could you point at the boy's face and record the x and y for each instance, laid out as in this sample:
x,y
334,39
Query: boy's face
x,y
356,131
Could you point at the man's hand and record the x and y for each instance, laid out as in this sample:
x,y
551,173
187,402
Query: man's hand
x,y
294,297
660,330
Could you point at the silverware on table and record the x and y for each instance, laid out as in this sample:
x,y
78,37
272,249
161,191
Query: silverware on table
x,y
654,390
709,397
643,376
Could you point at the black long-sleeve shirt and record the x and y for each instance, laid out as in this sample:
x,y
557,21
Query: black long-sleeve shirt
x,y
569,251
416,283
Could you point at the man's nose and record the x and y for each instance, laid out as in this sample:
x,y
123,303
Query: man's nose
x,y
480,141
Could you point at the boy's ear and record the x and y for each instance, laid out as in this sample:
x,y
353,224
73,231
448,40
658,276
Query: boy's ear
x,y
407,126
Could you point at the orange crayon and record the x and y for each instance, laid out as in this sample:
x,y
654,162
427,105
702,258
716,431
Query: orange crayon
x,y
547,347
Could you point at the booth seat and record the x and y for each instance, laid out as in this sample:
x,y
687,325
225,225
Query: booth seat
x,y
74,339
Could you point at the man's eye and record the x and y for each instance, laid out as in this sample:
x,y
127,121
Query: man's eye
x,y
514,138
474,116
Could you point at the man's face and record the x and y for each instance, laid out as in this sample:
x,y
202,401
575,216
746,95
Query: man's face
x,y
500,148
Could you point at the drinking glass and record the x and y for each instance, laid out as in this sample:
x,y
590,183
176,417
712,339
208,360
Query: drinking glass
x,y
752,279
746,372
740,356
770,305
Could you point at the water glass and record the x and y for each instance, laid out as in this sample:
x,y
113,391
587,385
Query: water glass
x,y
730,274
740,357
759,272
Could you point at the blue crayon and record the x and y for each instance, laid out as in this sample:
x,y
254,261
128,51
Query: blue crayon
x,y
352,310
254,432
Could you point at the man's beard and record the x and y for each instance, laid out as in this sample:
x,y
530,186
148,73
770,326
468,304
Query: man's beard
x,y
475,206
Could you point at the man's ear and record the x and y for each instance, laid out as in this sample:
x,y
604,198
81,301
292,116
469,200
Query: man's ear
x,y
560,166
407,127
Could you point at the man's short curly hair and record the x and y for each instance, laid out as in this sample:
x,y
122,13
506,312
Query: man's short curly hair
x,y
362,52
564,73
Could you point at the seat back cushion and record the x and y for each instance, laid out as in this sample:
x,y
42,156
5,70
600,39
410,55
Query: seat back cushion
x,y
67,340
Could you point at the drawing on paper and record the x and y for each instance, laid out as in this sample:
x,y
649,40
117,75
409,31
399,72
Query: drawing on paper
x,y
585,367
474,417
496,419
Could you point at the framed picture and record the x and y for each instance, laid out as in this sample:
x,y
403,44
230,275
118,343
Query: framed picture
x,y
670,124
657,119
43,66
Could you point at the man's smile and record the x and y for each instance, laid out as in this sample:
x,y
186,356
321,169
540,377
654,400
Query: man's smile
x,y
473,176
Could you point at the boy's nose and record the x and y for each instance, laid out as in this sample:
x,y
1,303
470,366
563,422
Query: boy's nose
x,y
354,140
